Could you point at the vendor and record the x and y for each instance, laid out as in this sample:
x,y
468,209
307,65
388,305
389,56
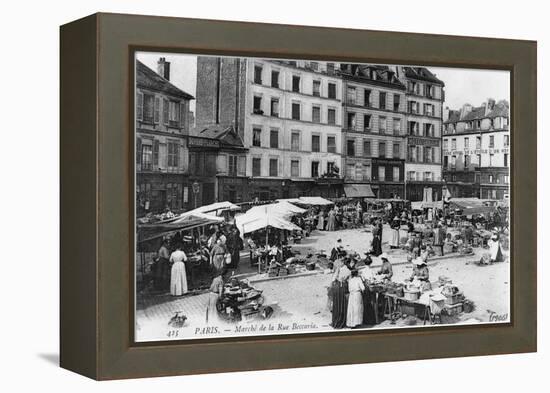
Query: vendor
x,y
386,270
178,277
339,288
217,255
420,270
495,249
216,292
395,225
162,268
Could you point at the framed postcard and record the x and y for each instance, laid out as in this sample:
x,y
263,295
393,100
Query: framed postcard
x,y
254,196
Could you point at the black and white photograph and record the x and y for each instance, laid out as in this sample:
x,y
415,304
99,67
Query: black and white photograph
x,y
303,196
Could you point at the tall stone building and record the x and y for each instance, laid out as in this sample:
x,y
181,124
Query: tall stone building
x,y
162,126
288,114
476,150
374,131
425,96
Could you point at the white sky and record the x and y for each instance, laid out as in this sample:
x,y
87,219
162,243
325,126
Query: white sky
x,y
461,85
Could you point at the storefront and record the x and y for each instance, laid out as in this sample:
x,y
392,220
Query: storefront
x,y
388,178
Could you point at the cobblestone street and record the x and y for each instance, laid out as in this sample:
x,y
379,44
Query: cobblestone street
x,y
302,301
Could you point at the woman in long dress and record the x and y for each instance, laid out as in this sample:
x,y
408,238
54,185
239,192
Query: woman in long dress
x,y
355,301
331,223
217,254
178,277
376,240
162,268
494,249
367,275
321,221
395,225
339,291
216,292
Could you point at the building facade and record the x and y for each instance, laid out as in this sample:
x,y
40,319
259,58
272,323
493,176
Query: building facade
x,y
424,107
293,128
162,126
373,131
476,150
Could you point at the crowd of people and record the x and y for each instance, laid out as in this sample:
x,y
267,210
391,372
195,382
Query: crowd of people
x,y
218,251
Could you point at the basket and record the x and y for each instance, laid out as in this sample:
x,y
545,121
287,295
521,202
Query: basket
x,y
411,295
454,299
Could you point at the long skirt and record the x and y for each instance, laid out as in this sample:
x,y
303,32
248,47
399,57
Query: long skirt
x,y
178,279
162,274
355,309
368,308
235,258
212,317
394,238
321,223
331,224
376,246
339,305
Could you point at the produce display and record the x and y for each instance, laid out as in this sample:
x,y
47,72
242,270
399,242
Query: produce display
x,y
239,300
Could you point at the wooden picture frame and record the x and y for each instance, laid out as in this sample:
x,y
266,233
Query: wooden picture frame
x,y
97,196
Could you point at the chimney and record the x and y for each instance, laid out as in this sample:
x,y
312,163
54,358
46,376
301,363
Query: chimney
x,y
446,113
490,104
466,108
163,68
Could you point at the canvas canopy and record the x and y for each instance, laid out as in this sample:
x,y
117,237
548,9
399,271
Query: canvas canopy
x,y
358,191
214,209
258,218
426,205
471,206
147,232
316,201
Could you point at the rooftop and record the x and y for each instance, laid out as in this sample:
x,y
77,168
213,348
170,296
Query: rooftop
x,y
148,79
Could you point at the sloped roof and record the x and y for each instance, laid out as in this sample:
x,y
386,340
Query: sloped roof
x,y
422,73
148,79
454,116
475,114
384,74
500,110
227,136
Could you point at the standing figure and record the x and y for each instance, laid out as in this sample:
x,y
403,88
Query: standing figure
x,y
338,291
376,239
178,278
216,292
355,301
217,255
235,245
162,268
395,225
331,222
321,221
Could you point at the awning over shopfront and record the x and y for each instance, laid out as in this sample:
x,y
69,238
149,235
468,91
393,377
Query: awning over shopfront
x,y
315,201
470,206
358,191
148,232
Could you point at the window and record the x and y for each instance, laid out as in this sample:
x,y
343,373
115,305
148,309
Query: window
x,y
295,111
232,165
330,68
453,144
428,89
427,176
506,179
427,154
331,168
314,65
315,143
366,148
258,105
314,169
395,173
174,113
366,172
490,178
351,147
331,116
382,100
396,126
381,173
295,168
413,107
413,128
506,140
366,122
491,156
351,121
274,139
146,157
316,114
382,149
256,166
367,98
453,162
296,83
505,159
273,167
350,95
396,102
173,154
466,143
446,161
295,141
331,144
428,129
382,124
478,142
350,170
332,90
258,74
466,161
275,78
491,141
275,107
445,144
257,137
428,109
317,88
396,150
148,111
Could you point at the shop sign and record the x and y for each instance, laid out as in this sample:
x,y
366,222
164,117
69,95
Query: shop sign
x,y
423,142
203,142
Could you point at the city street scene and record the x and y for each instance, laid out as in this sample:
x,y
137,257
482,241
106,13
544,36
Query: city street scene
x,y
293,196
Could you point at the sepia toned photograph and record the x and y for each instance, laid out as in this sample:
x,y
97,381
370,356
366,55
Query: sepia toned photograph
x,y
303,196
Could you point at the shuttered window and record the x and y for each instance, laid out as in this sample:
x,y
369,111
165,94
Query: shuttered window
x,y
139,107
157,110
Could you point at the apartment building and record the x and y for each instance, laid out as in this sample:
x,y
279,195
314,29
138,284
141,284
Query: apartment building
x,y
476,150
162,125
424,103
374,131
